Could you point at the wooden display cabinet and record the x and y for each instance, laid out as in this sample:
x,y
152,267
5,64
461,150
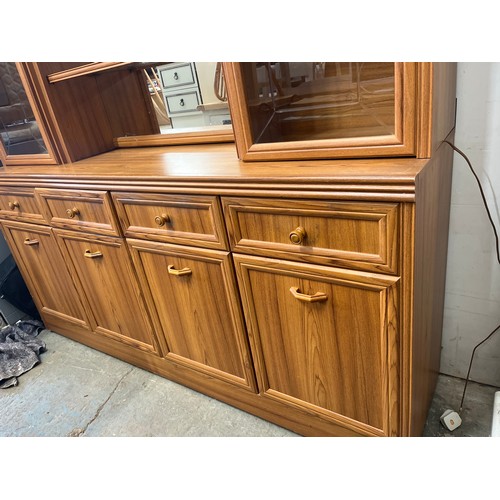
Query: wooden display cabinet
x,y
307,289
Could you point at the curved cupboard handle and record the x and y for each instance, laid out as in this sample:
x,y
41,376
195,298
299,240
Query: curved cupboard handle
x,y
298,235
179,272
29,242
181,102
317,297
73,212
13,204
176,76
92,255
162,219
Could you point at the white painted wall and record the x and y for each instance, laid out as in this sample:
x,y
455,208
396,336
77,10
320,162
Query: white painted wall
x,y
472,303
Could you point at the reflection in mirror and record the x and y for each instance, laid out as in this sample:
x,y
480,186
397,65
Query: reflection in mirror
x,y
19,131
317,100
188,95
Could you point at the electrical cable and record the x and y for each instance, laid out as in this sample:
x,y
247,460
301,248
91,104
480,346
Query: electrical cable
x,y
498,258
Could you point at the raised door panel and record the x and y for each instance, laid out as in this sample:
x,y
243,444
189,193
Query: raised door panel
x,y
325,340
104,270
45,273
194,295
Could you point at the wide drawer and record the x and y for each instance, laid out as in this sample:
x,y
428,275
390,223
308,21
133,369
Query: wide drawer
x,y
20,204
187,220
88,211
176,76
357,235
183,103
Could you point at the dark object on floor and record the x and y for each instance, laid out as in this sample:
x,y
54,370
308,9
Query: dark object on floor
x,y
13,288
19,350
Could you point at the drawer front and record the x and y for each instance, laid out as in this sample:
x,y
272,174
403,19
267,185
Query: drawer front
x,y
357,235
183,103
20,204
187,220
176,76
88,211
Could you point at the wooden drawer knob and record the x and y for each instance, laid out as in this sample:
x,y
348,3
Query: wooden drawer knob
x,y
13,204
317,297
298,235
179,272
73,212
162,219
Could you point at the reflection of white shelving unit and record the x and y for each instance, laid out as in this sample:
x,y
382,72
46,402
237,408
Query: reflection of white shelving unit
x,y
182,94
189,97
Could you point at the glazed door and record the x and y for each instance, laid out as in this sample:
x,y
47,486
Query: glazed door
x,y
194,294
104,270
325,340
295,110
45,273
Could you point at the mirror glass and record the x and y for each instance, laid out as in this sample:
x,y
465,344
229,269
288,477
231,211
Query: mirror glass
x,y
188,95
19,131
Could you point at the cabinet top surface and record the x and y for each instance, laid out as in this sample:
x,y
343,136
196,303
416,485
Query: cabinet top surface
x,y
207,165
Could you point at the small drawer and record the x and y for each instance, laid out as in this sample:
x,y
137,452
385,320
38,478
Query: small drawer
x,y
183,103
88,211
20,204
186,220
356,235
177,75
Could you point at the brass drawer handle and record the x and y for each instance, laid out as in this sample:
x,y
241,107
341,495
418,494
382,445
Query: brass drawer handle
x,y
29,242
179,272
317,297
92,255
73,212
298,235
162,219
13,205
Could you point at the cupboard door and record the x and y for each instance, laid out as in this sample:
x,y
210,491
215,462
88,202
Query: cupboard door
x,y
44,270
104,270
325,340
305,110
194,294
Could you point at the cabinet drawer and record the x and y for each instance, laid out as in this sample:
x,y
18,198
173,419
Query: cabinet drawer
x,y
89,211
358,235
178,75
187,220
20,204
183,103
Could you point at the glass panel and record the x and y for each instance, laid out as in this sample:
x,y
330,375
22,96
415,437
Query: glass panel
x,y
297,101
19,131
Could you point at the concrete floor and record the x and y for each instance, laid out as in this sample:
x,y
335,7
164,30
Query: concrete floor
x,y
77,391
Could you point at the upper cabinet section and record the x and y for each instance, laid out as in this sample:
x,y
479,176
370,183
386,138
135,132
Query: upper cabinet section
x,y
74,118
299,110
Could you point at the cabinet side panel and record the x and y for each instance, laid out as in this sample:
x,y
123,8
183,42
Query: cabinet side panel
x,y
432,212
436,107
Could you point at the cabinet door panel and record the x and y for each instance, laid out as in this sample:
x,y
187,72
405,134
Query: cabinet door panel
x,y
194,295
324,339
104,270
45,273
